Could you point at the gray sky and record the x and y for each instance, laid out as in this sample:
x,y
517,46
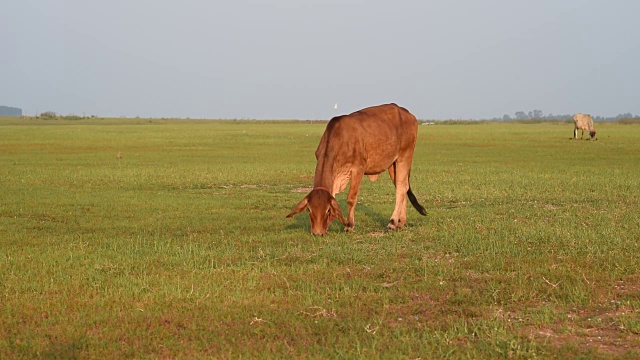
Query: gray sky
x,y
294,59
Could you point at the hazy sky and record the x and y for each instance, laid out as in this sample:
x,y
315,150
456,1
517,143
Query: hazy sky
x,y
294,59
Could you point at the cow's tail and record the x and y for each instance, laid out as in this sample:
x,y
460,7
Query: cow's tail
x,y
415,203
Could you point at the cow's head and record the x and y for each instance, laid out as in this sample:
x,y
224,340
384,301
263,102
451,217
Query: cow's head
x,y
323,209
592,133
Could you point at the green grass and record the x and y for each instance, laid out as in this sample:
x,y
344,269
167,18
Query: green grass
x,y
181,248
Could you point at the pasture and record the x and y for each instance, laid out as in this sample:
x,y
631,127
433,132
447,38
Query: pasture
x,y
181,249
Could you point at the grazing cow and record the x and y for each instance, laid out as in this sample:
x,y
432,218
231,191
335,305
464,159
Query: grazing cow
x,y
583,122
366,142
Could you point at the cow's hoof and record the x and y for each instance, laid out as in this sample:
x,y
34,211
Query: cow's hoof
x,y
395,225
348,228
392,225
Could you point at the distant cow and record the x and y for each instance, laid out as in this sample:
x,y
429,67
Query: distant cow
x,y
366,142
583,122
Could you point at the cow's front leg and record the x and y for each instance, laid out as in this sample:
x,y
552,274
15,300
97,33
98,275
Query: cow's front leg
x,y
352,198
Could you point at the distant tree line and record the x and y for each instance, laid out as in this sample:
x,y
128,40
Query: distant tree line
x,y
51,115
10,111
539,115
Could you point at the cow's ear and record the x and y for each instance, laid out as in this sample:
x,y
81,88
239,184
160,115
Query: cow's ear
x,y
299,208
335,210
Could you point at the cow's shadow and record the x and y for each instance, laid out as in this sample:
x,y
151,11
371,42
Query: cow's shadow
x,y
299,222
379,219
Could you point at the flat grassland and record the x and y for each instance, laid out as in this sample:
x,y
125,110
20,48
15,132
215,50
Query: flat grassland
x,y
181,248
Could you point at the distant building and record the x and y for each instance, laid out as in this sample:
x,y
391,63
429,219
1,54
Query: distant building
x,y
10,111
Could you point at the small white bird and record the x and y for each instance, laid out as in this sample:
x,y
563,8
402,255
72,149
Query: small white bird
x,y
335,106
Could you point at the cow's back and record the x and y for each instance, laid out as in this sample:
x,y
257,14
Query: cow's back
x,y
389,121
583,121
374,136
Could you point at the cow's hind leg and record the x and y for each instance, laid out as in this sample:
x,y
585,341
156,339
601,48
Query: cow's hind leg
x,y
400,177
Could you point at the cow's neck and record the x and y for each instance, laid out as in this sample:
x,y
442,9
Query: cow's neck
x,y
324,177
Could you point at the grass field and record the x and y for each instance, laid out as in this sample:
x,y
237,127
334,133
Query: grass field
x,y
181,248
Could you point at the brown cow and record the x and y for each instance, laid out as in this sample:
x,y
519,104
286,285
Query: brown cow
x,y
583,122
366,142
